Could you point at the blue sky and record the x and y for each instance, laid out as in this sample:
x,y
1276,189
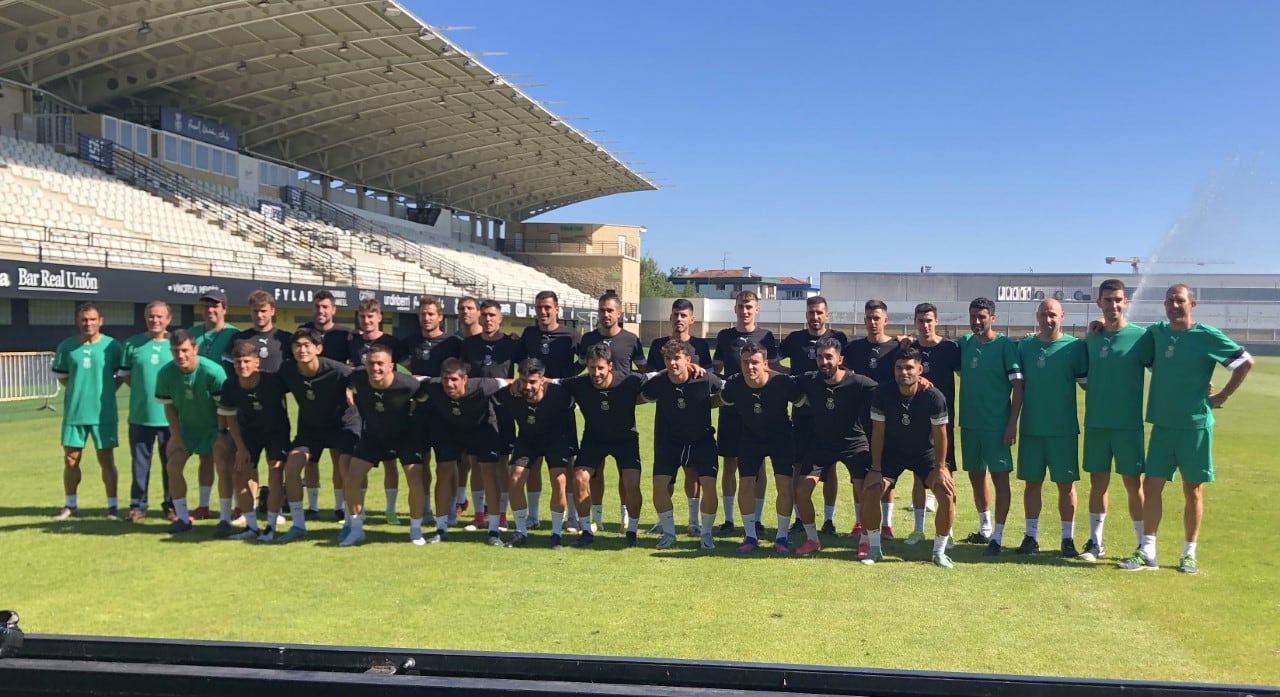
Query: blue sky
x,y
838,136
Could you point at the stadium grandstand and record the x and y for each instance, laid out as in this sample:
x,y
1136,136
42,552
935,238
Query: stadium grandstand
x,y
152,150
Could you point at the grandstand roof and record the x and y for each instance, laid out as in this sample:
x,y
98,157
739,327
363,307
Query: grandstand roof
x,y
360,90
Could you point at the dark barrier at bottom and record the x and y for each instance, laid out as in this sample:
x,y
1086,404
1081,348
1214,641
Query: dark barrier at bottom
x,y
49,665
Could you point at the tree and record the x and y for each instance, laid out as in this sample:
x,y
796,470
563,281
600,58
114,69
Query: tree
x,y
653,282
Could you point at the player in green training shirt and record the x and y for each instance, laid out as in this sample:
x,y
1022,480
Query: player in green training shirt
x,y
188,388
1052,364
990,400
87,365
1119,353
144,355
1178,407
213,341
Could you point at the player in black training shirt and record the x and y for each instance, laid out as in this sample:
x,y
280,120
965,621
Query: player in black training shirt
x,y
326,420
683,437
800,348
608,403
837,398
941,360
385,401
760,396
543,413
492,354
261,424
368,332
873,356
728,357
462,412
682,319
556,347
333,338
908,432
423,354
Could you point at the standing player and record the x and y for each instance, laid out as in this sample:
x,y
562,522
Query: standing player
x,y
940,357
873,356
543,414
1179,409
837,399
424,352
88,365
608,403
369,332
1052,364
334,338
907,433
990,401
388,432
800,347
1113,412
683,437
728,356
556,348
254,402
326,420
760,398
468,325
213,341
682,320
492,354
144,355
627,354
189,388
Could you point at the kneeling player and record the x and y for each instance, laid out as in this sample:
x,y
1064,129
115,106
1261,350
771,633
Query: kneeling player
x,y
385,401
543,413
908,433
260,424
683,437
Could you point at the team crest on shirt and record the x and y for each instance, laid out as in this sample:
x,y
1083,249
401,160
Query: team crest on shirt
x,y
680,403
1040,360
906,419
757,409
155,359
379,406
831,403
531,419
456,411
88,361
426,353
190,393
546,345
257,406
488,360
1173,343
811,352
604,406
263,352
311,395
1105,349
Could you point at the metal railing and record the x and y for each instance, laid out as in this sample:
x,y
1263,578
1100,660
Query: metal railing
x,y
611,249
26,376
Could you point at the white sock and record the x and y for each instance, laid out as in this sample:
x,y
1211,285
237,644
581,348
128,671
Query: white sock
x,y
460,496
251,521
504,500
857,513
829,513
415,528
749,525
313,498
727,502
522,521
759,509
667,519
1138,531
708,523
997,533
633,524
887,510
493,519
357,523
873,538
784,522
984,523
71,501
1189,549
694,503
597,514
391,500
1033,527
1149,546
113,502
535,501
1096,520
224,510
573,515
206,493
939,544
625,516
180,508
811,531
477,501
1068,529
339,501
442,524
272,516
919,514
557,522
296,513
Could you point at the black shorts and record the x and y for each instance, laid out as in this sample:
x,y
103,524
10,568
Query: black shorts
x,y
483,443
275,445
802,432
555,451
729,432
506,441
407,449
340,440
669,456
893,465
779,450
422,423
624,451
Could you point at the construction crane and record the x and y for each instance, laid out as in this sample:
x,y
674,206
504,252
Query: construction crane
x,y
1135,262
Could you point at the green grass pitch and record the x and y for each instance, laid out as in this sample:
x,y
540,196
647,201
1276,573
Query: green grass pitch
x,y
1041,615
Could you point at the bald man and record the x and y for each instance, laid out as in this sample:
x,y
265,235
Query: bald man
x,y
1052,364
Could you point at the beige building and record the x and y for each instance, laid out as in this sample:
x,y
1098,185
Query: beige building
x,y
593,258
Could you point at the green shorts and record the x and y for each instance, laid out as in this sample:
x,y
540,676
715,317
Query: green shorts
x,y
1060,455
984,451
200,443
1174,450
105,436
1102,445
